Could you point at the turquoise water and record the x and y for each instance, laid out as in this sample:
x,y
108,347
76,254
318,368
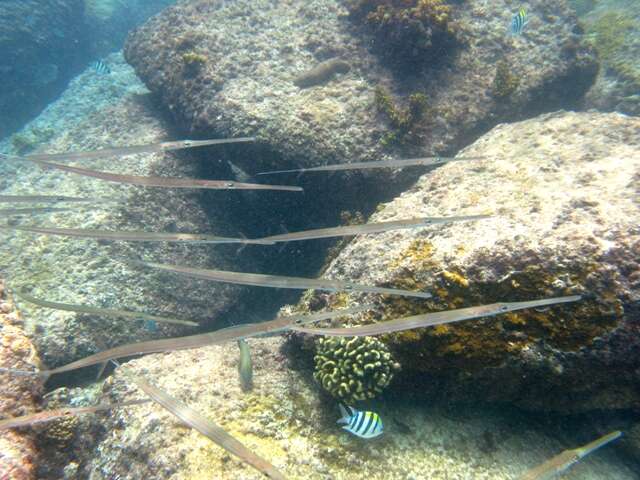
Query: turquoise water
x,y
495,283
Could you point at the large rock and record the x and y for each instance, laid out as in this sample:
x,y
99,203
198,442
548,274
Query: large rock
x,y
39,44
230,67
19,395
287,420
90,272
563,191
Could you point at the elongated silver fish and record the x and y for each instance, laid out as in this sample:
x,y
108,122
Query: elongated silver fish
x,y
245,366
8,212
206,427
134,236
106,312
436,318
260,280
565,460
49,415
278,325
131,150
366,228
164,182
44,199
402,163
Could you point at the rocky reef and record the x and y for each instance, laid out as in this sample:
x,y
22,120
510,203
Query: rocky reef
x,y
612,27
563,192
253,51
18,395
286,420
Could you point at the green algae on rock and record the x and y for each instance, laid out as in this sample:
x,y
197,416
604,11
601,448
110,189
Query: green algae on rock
x,y
353,369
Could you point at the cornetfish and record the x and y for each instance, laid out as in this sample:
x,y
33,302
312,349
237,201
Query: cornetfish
x,y
8,212
149,148
279,324
436,318
44,199
133,236
365,228
401,163
206,427
107,312
49,415
277,281
164,182
563,461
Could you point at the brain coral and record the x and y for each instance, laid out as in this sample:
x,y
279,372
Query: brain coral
x,y
353,369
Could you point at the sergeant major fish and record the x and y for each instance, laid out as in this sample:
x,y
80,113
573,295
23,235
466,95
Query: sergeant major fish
x,y
361,424
519,21
100,67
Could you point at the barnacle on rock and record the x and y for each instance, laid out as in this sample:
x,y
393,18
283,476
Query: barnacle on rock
x,y
407,32
353,369
403,121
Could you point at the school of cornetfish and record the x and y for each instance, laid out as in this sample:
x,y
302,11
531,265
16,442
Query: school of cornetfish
x,y
241,332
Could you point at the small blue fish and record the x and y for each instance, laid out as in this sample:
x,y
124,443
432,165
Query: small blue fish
x,y
361,424
101,67
519,22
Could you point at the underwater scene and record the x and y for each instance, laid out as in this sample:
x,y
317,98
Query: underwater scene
x,y
320,239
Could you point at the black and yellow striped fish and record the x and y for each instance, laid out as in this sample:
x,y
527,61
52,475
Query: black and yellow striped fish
x,y
519,22
361,424
100,67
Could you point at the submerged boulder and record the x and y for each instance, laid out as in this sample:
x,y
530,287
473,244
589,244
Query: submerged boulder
x,y
241,68
563,193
